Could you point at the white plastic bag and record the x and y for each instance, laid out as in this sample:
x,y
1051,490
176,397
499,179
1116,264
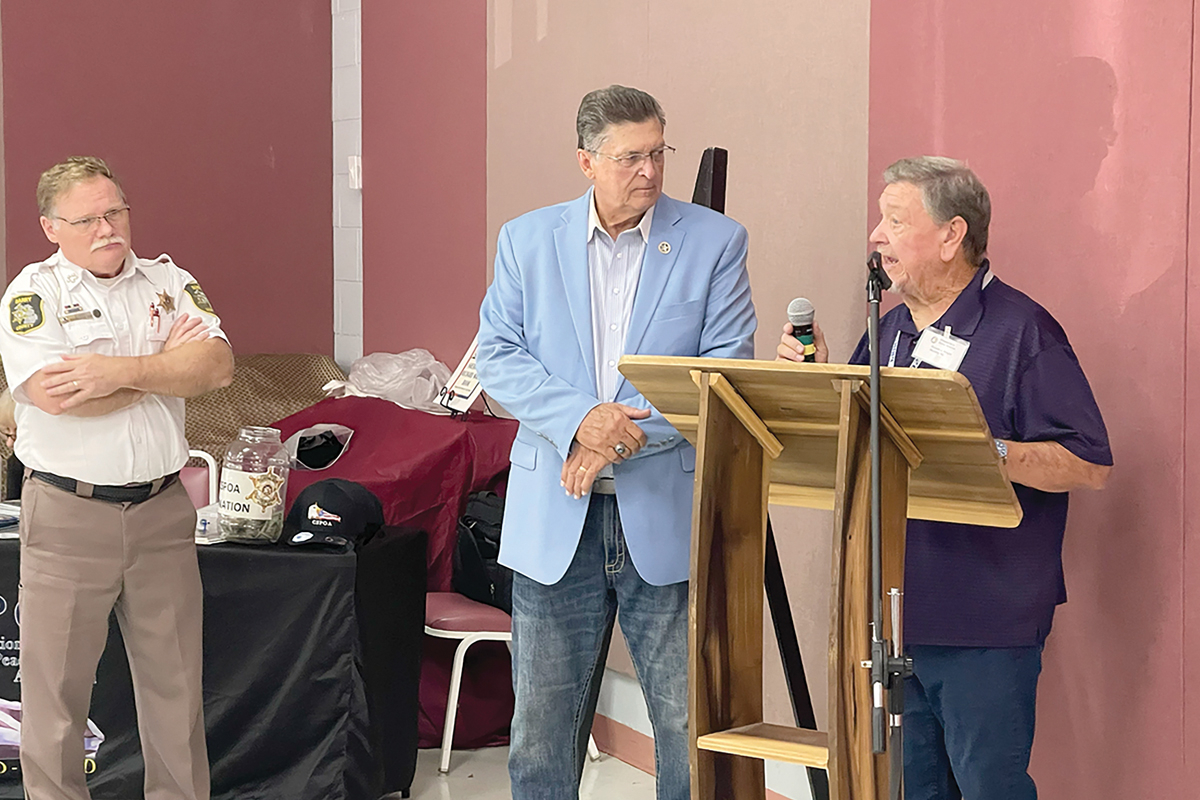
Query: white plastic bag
x,y
411,379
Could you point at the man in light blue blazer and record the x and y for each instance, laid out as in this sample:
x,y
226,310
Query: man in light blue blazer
x,y
599,507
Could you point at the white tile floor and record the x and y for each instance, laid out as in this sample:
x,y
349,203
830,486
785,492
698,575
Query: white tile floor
x,y
483,775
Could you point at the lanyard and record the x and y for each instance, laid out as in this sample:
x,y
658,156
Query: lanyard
x,y
896,346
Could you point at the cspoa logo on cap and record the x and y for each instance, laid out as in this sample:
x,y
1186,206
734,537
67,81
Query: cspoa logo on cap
x,y
319,516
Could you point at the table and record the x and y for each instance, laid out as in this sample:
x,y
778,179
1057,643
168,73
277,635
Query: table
x,y
311,671
422,467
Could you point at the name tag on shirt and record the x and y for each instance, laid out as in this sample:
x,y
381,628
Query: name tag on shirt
x,y
940,349
73,312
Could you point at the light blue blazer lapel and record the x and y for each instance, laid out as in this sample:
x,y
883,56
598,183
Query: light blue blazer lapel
x,y
570,243
656,272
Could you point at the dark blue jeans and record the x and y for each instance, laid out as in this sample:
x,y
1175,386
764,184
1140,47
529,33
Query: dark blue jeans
x,y
968,722
560,644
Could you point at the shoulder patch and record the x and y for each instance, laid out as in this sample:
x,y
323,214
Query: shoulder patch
x,y
199,297
25,312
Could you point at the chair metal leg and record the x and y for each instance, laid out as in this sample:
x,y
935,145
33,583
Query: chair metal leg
x,y
460,655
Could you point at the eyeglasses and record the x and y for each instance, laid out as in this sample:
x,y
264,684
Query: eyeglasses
x,y
87,224
631,161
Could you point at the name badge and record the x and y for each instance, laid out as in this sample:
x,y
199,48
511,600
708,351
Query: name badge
x,y
73,312
940,349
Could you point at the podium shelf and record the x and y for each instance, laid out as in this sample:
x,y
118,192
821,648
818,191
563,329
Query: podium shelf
x,y
771,742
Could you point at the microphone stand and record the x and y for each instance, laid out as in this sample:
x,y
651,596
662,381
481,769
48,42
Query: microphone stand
x,y
889,666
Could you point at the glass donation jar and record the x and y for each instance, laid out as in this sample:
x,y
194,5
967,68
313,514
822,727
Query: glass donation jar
x,y
253,486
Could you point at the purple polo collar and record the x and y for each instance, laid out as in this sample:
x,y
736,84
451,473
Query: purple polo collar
x,y
964,313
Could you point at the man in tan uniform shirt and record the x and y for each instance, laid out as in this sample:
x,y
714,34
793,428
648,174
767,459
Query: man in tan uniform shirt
x,y
100,347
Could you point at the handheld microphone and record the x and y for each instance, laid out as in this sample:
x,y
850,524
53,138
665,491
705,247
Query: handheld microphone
x,y
800,313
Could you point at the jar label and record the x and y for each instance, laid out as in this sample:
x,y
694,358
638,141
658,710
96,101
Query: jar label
x,y
251,495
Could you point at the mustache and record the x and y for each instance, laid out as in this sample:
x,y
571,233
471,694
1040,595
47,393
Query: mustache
x,y
106,241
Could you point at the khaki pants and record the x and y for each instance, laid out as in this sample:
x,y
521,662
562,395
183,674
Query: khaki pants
x,y
80,559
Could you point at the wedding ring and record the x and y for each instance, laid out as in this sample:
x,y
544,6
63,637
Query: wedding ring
x,y
620,448
75,384
583,469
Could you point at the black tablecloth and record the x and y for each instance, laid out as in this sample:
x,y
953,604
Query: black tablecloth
x,y
311,668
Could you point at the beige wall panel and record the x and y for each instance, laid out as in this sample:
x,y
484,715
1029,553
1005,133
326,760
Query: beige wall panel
x,y
783,86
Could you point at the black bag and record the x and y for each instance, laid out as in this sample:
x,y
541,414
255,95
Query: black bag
x,y
477,574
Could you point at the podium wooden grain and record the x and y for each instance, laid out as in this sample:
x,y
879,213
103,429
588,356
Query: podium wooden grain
x,y
798,435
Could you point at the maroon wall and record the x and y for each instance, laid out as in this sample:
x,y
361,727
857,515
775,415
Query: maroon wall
x,y
216,116
1076,115
424,139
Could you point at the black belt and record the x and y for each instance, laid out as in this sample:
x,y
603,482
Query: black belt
x,y
130,493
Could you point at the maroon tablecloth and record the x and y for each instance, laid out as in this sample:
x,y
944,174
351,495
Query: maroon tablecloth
x,y
422,467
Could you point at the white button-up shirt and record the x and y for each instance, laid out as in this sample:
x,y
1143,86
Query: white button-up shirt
x,y
54,308
613,272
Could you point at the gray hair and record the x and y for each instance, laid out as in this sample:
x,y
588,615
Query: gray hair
x,y
949,189
612,106
60,178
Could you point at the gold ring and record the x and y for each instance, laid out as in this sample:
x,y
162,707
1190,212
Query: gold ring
x,y
583,469
76,383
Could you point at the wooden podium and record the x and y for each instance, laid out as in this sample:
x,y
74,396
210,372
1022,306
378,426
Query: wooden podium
x,y
797,434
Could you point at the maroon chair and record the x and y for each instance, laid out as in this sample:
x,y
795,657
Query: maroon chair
x,y
200,482
450,615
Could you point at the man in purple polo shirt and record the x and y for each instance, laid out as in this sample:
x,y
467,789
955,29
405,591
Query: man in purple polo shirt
x,y
978,601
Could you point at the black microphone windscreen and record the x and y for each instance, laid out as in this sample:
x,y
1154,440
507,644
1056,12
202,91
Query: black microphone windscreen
x,y
875,266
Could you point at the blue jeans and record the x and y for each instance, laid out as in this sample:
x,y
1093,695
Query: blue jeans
x,y
968,722
560,644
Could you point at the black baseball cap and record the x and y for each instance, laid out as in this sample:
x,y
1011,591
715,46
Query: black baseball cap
x,y
333,512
